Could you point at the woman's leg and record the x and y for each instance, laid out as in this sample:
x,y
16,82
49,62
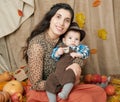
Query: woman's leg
x,y
86,93
80,93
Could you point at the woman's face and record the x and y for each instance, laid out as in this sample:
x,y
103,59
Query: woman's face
x,y
59,23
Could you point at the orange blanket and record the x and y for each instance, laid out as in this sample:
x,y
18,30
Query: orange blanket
x,y
80,93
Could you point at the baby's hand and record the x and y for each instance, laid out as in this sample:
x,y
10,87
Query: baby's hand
x,y
60,51
74,55
66,49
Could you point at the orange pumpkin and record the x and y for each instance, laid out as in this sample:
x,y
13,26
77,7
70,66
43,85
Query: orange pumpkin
x,y
6,76
4,96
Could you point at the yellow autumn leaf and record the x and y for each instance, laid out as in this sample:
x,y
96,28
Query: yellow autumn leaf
x,y
102,33
80,19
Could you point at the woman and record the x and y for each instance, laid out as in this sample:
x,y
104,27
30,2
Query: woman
x,y
39,48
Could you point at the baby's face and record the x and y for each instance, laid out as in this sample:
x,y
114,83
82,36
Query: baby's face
x,y
72,38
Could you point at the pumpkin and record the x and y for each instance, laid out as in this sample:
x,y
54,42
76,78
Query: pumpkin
x,y
6,76
24,84
2,85
13,86
4,96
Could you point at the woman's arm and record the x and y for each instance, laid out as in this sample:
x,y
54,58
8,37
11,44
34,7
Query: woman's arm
x,y
35,63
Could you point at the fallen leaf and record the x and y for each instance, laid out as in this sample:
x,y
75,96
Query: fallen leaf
x,y
20,13
80,19
96,3
93,51
102,33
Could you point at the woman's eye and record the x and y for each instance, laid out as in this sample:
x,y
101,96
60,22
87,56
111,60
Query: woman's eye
x,y
67,20
58,16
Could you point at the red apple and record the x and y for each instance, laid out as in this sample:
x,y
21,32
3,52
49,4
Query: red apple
x,y
110,90
103,79
88,78
96,78
16,97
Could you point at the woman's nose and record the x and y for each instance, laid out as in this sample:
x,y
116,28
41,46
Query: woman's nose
x,y
61,22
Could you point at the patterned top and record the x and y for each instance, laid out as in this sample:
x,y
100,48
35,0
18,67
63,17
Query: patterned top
x,y
40,62
82,49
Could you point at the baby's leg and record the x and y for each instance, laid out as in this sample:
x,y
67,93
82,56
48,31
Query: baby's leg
x,y
77,71
51,97
65,91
